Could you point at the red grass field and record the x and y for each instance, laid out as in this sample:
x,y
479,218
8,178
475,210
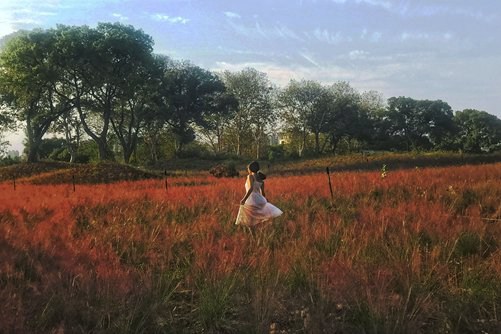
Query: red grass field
x,y
417,251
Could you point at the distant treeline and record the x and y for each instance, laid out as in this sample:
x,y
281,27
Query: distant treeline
x,y
104,93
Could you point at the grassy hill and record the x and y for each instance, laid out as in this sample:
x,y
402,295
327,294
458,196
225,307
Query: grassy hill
x,y
56,173
61,172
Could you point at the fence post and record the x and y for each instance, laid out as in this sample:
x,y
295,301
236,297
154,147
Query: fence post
x,y
14,181
165,179
330,185
73,181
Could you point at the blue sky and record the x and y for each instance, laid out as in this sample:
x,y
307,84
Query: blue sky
x,y
424,49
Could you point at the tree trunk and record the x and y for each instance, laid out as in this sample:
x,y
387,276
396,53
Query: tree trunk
x,y
127,153
302,146
105,153
34,140
33,154
317,142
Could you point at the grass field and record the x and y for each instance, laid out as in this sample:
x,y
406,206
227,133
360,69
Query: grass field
x,y
410,251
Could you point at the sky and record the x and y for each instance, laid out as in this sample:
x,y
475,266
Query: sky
x,y
423,49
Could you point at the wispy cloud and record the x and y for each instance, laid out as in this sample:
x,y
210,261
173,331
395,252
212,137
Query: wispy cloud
x,y
286,33
323,35
232,15
358,54
430,10
282,74
374,36
377,3
120,17
171,19
309,58
258,30
425,36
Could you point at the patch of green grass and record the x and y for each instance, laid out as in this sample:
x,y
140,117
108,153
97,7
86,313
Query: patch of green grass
x,y
214,306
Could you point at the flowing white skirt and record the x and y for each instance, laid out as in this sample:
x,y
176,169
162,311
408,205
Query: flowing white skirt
x,y
256,210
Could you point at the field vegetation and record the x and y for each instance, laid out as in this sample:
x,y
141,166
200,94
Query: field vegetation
x,y
392,251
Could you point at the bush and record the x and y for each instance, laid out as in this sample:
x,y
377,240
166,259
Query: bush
x,y
224,170
276,152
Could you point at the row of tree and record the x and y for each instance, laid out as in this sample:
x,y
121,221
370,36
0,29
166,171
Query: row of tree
x,y
106,84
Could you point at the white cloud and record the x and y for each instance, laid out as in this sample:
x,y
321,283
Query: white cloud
x,y
309,58
358,54
423,36
429,10
372,37
413,36
170,19
375,3
378,3
232,15
323,35
120,17
286,33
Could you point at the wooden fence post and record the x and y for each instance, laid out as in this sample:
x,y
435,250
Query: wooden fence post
x,y
330,185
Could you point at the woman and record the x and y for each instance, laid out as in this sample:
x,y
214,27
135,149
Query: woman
x,y
254,208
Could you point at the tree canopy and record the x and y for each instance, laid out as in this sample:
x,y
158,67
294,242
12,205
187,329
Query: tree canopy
x,y
105,86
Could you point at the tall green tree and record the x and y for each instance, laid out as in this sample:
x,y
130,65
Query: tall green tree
x,y
27,85
136,105
437,123
101,68
419,124
215,123
372,107
254,95
118,52
478,131
189,94
304,107
345,118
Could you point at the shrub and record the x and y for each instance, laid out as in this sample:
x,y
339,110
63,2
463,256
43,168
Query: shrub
x,y
224,170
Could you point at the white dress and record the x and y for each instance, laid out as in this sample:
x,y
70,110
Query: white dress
x,y
256,208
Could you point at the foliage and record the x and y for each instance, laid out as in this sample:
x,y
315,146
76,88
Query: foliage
x,y
418,124
479,131
224,170
253,114
105,84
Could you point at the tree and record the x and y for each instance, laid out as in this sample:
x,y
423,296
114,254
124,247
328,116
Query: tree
x,y
304,105
372,106
100,70
6,123
436,122
215,122
119,51
136,105
420,124
27,85
253,92
345,118
478,131
70,125
189,95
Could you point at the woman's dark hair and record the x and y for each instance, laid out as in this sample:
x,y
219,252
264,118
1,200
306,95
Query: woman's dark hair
x,y
254,167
